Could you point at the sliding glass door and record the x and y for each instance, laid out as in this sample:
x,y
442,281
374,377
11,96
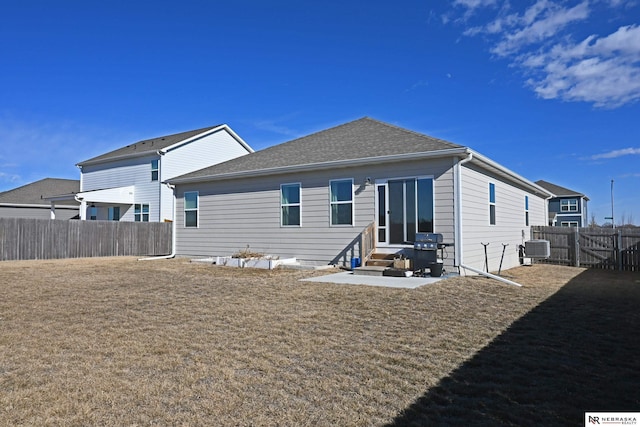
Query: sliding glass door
x,y
405,207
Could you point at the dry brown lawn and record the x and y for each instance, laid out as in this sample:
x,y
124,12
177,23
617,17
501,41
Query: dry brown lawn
x,y
115,341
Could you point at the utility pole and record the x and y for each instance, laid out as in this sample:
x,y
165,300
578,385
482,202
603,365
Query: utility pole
x,y
613,221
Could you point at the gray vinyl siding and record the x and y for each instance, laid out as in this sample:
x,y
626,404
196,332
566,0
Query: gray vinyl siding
x,y
43,212
510,225
237,213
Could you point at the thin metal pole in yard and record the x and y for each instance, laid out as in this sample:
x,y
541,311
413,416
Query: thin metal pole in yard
x,y
613,221
619,244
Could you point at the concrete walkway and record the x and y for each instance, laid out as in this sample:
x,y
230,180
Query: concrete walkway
x,y
348,278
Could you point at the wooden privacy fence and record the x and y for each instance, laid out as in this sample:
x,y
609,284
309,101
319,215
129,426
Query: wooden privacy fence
x,y
606,248
23,239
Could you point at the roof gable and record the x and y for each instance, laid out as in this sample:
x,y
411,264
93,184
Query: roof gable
x,y
36,192
147,146
359,139
559,191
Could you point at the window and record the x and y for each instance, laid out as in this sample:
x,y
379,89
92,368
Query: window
x,y
341,201
569,223
141,212
492,203
93,213
526,210
154,170
114,213
191,209
569,205
290,204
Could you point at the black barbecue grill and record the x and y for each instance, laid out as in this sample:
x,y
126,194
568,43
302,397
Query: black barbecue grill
x,y
425,253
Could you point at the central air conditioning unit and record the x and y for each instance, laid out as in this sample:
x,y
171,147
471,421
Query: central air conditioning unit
x,y
537,249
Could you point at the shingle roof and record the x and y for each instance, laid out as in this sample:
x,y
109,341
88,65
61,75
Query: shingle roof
x,y
558,190
36,192
147,146
358,139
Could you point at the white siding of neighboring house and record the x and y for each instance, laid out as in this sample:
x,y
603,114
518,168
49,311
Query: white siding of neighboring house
x,y
510,225
237,213
133,171
212,149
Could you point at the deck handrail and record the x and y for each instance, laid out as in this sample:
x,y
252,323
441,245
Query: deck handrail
x,y
368,242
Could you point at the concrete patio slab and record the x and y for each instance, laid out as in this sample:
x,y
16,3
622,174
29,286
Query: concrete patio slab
x,y
348,278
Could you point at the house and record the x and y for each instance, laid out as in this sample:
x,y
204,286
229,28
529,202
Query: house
x,y
313,198
567,208
127,184
32,200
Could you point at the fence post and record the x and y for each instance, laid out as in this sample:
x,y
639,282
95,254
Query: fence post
x,y
576,246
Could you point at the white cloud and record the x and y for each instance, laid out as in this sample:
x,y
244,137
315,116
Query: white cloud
x,y
601,69
272,125
474,4
9,178
541,21
471,7
604,71
617,153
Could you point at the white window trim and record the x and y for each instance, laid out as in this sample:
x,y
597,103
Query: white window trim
x,y
384,182
299,204
352,202
571,207
495,210
185,210
142,214
568,223
155,170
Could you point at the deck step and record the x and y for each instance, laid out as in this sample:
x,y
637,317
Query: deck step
x,y
379,255
380,263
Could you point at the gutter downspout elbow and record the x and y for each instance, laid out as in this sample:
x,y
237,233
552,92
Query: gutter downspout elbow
x,y
173,232
489,275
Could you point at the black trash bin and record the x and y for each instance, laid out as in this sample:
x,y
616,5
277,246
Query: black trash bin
x,y
435,269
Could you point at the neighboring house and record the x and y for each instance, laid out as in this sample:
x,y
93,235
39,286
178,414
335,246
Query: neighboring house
x,y
567,208
127,184
311,198
33,200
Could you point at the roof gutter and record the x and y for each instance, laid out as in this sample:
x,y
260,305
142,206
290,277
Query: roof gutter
x,y
482,160
122,157
322,165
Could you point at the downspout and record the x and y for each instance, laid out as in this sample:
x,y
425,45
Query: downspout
x,y
458,209
489,275
173,232
458,229
83,207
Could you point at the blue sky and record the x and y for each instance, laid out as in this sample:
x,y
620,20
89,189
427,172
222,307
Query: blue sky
x,y
547,88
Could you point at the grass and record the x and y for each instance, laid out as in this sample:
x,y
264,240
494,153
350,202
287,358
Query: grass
x,y
114,341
